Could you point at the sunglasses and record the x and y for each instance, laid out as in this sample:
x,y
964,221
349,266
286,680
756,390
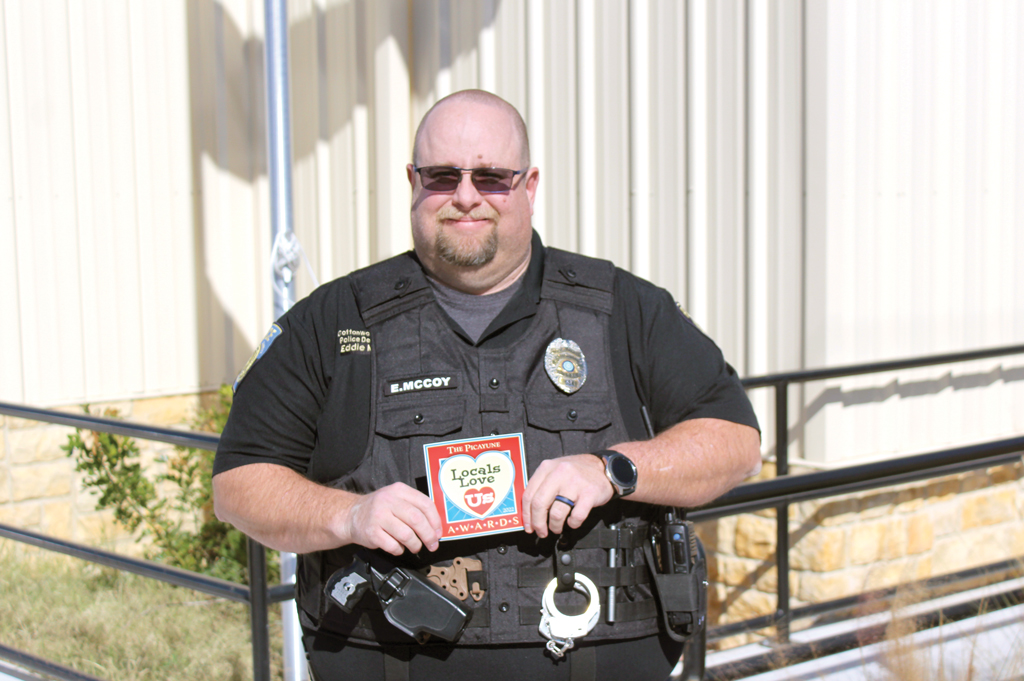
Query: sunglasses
x,y
446,179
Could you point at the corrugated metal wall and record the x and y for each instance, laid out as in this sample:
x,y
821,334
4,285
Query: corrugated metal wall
x,y
817,182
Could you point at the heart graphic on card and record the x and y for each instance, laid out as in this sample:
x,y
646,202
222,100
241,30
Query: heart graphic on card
x,y
477,484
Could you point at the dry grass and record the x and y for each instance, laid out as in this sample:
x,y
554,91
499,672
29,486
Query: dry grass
x,y
961,659
120,627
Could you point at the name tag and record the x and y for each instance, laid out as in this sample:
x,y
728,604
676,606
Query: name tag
x,y
477,485
419,383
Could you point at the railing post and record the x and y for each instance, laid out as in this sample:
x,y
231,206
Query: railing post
x,y
258,618
782,511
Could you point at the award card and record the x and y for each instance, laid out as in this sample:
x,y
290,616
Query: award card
x,y
477,484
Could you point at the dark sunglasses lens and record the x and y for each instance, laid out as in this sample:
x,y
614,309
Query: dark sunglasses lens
x,y
440,178
492,179
447,179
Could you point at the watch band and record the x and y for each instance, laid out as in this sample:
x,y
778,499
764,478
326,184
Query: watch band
x,y
620,471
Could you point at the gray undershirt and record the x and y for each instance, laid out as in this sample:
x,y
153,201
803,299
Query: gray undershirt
x,y
473,313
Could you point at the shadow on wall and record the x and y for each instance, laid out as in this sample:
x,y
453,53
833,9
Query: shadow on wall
x,y
332,75
893,388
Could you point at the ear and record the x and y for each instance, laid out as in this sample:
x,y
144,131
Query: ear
x,y
532,180
411,175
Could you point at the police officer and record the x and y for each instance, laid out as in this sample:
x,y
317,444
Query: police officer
x,y
481,331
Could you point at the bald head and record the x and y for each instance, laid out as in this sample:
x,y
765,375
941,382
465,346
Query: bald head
x,y
475,97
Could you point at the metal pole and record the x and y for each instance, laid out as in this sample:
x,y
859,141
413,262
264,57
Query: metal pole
x,y
782,511
279,147
284,263
258,620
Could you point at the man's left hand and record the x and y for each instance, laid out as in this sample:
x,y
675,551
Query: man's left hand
x,y
579,478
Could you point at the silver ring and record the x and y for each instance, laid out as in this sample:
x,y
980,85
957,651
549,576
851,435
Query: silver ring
x,y
564,500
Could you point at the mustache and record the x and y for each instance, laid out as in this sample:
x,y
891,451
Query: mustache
x,y
449,213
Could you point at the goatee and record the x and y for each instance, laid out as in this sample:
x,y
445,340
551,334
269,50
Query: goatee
x,y
466,251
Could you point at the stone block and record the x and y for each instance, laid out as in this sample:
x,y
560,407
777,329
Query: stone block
x,y
718,535
32,445
755,537
819,587
879,540
57,519
920,533
5,485
41,481
768,581
745,604
165,411
820,550
910,500
972,549
942,489
945,518
950,554
85,499
975,480
1008,473
866,542
805,511
717,595
22,516
989,508
878,505
839,512
893,573
733,571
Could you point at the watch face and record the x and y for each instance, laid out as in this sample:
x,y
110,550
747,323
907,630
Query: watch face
x,y
622,470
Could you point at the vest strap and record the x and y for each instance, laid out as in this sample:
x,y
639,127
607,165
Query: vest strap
x,y
601,576
578,280
583,664
395,669
604,538
630,611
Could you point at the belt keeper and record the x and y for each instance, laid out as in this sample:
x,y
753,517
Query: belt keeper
x,y
565,567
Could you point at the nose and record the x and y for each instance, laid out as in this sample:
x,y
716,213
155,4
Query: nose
x,y
466,196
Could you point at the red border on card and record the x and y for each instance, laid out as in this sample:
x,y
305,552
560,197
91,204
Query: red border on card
x,y
436,453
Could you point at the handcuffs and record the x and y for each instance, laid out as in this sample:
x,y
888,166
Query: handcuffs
x,y
562,630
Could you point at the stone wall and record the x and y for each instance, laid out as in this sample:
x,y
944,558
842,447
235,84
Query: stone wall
x,y
40,490
845,545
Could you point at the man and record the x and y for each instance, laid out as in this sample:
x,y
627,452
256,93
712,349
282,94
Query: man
x,y
323,454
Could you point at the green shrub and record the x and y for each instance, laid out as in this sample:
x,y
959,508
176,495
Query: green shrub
x,y
181,527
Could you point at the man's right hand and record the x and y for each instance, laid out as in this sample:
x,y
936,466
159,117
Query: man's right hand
x,y
283,510
393,519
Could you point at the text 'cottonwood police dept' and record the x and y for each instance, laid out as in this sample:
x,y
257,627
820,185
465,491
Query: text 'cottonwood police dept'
x,y
438,382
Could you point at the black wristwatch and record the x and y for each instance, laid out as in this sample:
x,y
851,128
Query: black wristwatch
x,y
620,470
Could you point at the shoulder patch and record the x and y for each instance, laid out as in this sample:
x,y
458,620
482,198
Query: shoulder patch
x,y
261,350
687,317
354,340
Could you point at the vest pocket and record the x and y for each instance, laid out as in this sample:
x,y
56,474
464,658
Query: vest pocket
x,y
409,419
557,413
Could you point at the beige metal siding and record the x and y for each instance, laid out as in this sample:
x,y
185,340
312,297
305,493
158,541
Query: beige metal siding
x,y
818,183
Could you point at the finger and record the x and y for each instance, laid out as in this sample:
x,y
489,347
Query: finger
x,y
557,515
417,510
424,533
540,509
579,513
378,538
529,494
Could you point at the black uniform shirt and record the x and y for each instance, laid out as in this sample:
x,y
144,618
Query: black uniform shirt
x,y
313,380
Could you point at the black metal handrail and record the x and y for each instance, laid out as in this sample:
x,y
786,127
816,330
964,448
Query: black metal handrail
x,y
779,493
258,596
780,383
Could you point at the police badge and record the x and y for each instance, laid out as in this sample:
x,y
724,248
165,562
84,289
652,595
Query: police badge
x,y
566,365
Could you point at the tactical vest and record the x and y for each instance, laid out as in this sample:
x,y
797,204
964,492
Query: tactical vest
x,y
490,392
